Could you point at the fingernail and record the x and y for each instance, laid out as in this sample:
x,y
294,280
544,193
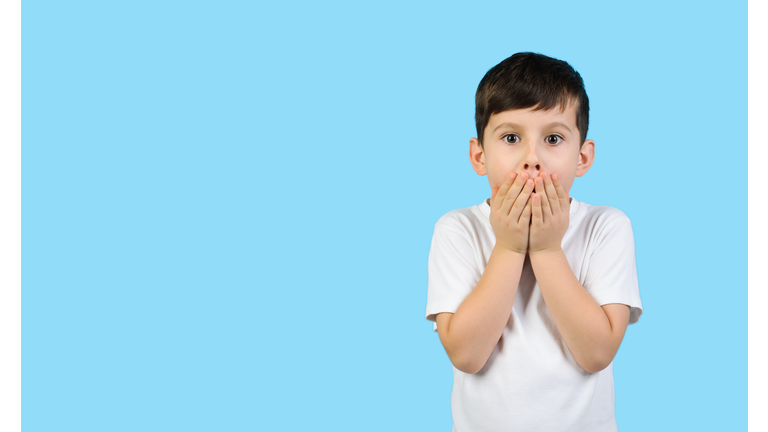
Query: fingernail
x,y
554,177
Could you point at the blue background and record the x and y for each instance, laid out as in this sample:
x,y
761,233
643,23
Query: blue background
x,y
228,206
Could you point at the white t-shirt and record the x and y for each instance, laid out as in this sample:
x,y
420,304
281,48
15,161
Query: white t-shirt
x,y
531,381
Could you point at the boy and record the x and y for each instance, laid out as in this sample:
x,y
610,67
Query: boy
x,y
531,292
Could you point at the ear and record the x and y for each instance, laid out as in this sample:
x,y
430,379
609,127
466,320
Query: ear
x,y
477,156
586,157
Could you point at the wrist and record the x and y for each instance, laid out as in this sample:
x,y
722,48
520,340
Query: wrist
x,y
546,252
503,250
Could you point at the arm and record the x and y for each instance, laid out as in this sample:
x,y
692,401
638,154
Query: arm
x,y
591,332
470,334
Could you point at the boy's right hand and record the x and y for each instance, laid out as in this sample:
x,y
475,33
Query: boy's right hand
x,y
511,212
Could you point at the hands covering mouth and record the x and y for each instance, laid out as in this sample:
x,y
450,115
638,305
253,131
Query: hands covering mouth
x,y
528,222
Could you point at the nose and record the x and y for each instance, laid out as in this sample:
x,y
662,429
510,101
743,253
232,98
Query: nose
x,y
533,170
532,164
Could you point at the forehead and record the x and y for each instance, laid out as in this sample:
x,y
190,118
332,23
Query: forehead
x,y
533,118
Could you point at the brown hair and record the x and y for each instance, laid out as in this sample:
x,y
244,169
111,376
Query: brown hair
x,y
527,80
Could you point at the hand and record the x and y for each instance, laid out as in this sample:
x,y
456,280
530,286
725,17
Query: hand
x,y
511,212
551,211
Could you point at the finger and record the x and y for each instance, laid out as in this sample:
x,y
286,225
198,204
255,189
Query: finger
x,y
562,195
544,202
493,192
502,191
522,200
536,209
552,197
512,195
525,216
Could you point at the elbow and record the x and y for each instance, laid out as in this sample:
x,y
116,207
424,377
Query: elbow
x,y
594,368
463,356
597,364
467,364
469,368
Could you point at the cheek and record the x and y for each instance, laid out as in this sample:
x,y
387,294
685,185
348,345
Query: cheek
x,y
567,175
500,176
568,185
496,180
495,176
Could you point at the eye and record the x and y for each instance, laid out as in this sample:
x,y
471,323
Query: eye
x,y
510,138
554,139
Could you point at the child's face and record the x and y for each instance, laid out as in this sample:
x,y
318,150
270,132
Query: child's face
x,y
533,141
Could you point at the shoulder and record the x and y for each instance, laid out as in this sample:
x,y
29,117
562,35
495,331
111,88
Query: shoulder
x,y
598,217
465,221
601,222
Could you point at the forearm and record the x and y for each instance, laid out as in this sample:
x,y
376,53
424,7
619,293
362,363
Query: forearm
x,y
477,325
581,321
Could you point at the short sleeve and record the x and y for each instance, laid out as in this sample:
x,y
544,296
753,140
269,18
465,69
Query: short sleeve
x,y
612,273
453,272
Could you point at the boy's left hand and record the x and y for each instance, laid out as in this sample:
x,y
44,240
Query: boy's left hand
x,y
550,215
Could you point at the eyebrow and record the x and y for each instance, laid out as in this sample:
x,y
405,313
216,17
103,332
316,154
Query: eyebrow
x,y
516,126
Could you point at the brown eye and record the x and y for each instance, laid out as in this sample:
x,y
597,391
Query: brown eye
x,y
510,138
554,139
